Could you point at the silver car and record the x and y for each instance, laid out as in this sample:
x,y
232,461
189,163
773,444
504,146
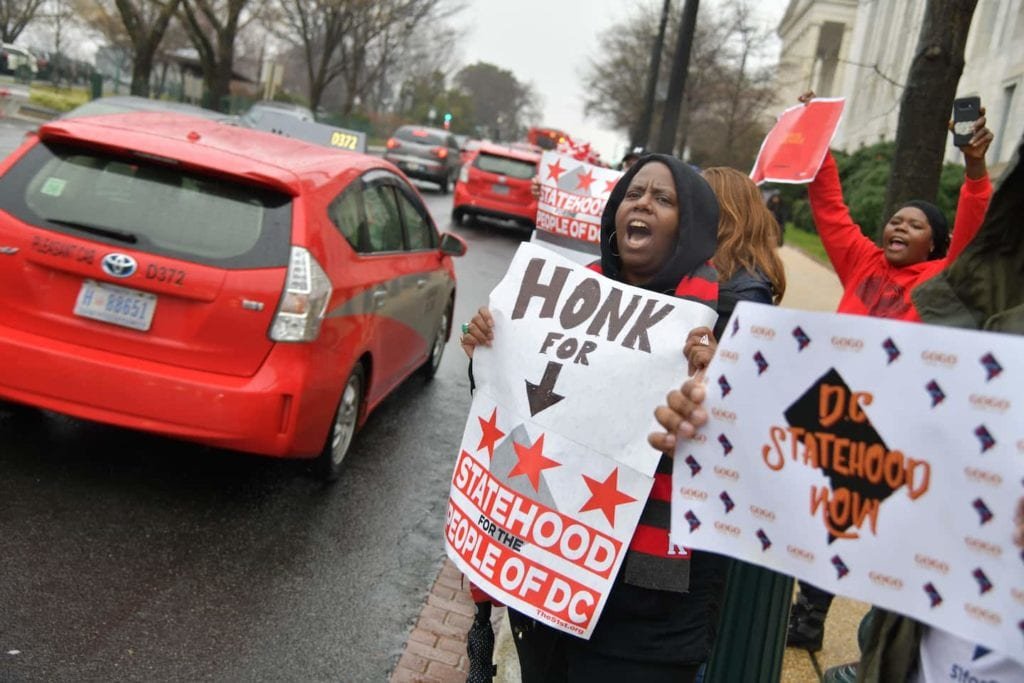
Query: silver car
x,y
425,153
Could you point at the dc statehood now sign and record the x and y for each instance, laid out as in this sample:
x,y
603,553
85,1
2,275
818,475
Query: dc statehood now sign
x,y
554,468
877,459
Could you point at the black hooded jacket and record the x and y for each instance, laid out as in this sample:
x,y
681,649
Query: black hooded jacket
x,y
696,240
664,608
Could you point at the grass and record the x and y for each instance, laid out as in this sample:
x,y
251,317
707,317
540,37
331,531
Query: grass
x,y
61,99
807,242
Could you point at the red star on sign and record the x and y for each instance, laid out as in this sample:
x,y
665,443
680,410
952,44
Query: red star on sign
x,y
491,433
585,181
555,170
605,495
609,185
532,461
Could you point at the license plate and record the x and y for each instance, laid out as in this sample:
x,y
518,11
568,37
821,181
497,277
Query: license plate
x,y
415,167
499,189
116,305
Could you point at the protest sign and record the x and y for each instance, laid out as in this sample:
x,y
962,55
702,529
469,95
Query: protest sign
x,y
794,149
554,468
876,459
572,197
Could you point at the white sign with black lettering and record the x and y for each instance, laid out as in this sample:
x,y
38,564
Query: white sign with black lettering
x,y
584,355
554,468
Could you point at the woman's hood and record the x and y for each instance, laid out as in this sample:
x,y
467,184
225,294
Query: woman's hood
x,y
696,238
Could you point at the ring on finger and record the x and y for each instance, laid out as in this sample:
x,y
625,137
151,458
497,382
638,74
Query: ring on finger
x,y
465,328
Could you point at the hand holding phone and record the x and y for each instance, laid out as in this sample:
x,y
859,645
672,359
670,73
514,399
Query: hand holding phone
x,y
966,110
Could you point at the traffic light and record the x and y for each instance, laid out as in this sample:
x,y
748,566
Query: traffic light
x,y
447,120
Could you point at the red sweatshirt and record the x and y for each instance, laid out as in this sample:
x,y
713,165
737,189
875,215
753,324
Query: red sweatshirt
x,y
871,286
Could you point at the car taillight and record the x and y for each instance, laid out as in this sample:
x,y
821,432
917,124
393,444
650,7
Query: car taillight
x,y
464,174
392,143
304,302
441,152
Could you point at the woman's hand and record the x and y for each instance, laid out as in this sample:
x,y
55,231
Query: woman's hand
x,y
974,151
681,417
535,186
806,97
699,349
480,330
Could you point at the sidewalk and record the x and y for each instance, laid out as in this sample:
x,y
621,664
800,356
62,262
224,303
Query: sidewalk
x,y
436,649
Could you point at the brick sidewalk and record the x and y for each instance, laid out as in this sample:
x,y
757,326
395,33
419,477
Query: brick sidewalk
x,y
436,649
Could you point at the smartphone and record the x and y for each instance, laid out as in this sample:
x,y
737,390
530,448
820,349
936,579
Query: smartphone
x,y
966,110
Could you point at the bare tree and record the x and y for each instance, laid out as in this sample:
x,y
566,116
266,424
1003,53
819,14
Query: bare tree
x,y
614,82
213,27
103,18
730,113
927,101
145,22
15,15
723,117
354,42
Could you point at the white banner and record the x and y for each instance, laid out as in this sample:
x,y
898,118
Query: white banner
x,y
554,467
572,198
876,459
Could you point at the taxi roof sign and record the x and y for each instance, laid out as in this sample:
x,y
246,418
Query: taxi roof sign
x,y
310,131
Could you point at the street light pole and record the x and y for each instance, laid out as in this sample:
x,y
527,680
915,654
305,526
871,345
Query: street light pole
x,y
642,132
677,80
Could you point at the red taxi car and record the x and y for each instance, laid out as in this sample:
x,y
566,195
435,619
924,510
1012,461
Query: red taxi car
x,y
214,283
496,184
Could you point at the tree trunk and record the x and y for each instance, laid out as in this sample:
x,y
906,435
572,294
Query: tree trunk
x,y
142,66
927,101
220,89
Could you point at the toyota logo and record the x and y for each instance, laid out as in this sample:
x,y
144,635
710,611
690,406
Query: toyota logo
x,y
119,265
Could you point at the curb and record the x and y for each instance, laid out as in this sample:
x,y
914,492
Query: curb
x,y
435,651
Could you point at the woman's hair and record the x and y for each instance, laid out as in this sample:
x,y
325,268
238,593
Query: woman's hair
x,y
747,232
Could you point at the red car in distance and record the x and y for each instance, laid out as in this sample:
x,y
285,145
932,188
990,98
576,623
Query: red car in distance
x,y
495,183
215,283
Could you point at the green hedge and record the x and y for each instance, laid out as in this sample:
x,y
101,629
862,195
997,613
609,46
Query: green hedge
x,y
864,175
59,99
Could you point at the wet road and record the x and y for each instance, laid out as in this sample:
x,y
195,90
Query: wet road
x,y
133,558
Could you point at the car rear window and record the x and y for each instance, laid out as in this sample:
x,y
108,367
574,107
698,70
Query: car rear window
x,y
158,208
514,168
420,135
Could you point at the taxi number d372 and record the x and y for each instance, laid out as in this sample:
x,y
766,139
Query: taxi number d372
x,y
116,305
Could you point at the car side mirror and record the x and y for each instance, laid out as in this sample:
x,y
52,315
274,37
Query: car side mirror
x,y
452,245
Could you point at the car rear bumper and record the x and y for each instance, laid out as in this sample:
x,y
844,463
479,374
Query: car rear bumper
x,y
492,208
417,167
259,414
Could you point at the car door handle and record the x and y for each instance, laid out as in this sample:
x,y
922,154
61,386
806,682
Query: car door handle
x,y
379,297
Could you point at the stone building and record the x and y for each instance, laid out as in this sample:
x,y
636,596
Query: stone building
x,y
874,57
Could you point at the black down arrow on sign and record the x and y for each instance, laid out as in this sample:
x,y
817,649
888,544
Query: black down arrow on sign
x,y
542,396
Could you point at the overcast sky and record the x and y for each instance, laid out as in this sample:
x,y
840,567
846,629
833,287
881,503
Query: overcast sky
x,y
547,43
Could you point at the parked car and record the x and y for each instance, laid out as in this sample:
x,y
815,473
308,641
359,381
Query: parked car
x,y
430,154
252,116
214,283
13,57
115,104
496,184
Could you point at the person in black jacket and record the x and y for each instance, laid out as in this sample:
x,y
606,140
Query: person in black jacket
x,y
658,232
749,268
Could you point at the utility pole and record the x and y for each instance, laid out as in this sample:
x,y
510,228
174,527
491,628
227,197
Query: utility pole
x,y
677,80
642,132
